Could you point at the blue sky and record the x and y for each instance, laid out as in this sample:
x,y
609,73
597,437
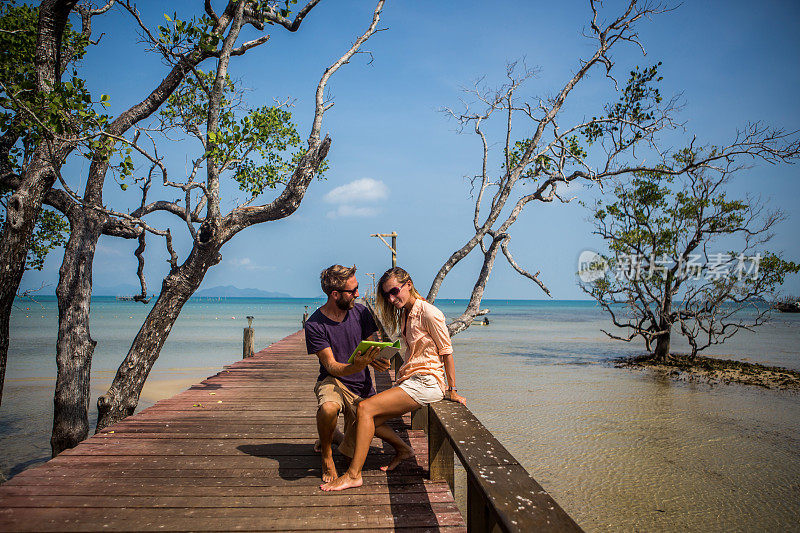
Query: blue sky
x,y
398,164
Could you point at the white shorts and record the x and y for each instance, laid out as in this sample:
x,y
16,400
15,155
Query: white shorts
x,y
423,388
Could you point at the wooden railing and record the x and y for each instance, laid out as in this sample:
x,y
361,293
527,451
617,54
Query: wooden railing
x,y
501,495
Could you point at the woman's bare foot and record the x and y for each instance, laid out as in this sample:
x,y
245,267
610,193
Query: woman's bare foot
x,y
328,469
400,455
338,437
345,481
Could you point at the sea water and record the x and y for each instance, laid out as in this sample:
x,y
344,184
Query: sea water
x,y
620,450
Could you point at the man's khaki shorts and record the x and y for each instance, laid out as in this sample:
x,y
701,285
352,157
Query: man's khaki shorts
x,y
331,389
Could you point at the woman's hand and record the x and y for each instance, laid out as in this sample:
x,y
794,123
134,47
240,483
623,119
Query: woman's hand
x,y
381,364
453,396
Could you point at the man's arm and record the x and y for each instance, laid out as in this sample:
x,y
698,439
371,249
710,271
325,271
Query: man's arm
x,y
337,369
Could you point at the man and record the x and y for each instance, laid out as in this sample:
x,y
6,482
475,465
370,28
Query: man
x,y
332,333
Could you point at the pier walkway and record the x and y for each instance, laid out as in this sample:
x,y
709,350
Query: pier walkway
x,y
233,453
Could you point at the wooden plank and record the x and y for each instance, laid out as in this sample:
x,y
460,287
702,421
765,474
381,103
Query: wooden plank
x,y
340,499
199,462
199,447
150,488
229,519
395,482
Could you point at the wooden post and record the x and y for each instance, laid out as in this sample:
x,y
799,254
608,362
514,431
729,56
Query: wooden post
x,y
479,517
419,419
248,341
440,453
392,247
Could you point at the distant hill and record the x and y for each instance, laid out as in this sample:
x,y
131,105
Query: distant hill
x,y
226,291
229,291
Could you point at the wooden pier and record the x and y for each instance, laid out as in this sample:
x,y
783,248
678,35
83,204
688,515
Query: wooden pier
x,y
235,453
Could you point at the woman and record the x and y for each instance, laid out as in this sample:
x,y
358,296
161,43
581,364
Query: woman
x,y
427,376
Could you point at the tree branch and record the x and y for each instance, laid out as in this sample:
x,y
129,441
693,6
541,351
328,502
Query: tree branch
x,y
289,199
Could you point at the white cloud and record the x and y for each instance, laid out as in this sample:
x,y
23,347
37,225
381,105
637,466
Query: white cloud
x,y
106,250
357,198
245,263
352,211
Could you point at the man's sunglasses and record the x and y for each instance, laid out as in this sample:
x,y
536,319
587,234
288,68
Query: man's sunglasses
x,y
394,291
351,291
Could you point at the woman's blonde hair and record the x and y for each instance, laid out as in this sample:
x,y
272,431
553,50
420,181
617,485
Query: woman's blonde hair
x,y
389,314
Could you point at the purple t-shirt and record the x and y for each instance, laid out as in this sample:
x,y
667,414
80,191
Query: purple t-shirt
x,y
342,338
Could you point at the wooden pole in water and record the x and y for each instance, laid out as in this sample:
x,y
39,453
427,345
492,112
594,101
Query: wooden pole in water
x,y
248,342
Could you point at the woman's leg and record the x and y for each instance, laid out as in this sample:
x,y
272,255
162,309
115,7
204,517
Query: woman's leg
x,y
402,451
371,412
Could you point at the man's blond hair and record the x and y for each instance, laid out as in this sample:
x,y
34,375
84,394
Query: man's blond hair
x,y
335,277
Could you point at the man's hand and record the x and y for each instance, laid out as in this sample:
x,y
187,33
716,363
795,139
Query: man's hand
x,y
381,364
361,360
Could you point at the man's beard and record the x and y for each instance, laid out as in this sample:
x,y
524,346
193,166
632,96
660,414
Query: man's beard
x,y
345,305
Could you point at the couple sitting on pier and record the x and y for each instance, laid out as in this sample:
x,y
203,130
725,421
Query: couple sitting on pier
x,y
334,331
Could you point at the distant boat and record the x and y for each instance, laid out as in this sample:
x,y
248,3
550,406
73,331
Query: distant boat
x,y
133,298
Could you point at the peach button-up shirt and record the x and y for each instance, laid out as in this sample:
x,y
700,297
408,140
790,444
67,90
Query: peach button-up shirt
x,y
428,340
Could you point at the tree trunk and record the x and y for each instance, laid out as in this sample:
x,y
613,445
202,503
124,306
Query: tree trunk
x,y
122,397
664,322
25,204
661,354
473,307
452,261
21,214
75,345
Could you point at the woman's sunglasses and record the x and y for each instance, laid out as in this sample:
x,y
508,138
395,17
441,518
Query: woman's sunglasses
x,y
394,291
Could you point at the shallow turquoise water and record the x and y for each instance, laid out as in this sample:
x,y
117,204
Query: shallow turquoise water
x,y
618,449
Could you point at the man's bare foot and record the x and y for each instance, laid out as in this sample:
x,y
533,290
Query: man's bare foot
x,y
338,437
345,481
328,469
400,455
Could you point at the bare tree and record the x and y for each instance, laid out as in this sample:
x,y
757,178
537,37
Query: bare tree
x,y
540,164
214,228
661,271
549,156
